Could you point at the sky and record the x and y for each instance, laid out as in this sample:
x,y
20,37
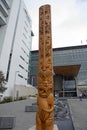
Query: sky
x,y
68,18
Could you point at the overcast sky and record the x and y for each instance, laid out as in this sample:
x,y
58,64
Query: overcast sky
x,y
69,21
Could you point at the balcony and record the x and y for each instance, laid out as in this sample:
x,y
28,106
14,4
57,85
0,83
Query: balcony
x,y
2,19
6,3
3,9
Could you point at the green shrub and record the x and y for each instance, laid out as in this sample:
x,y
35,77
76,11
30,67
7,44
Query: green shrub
x,y
30,96
6,100
33,95
21,98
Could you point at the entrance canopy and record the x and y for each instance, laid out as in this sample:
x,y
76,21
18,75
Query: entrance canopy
x,y
68,71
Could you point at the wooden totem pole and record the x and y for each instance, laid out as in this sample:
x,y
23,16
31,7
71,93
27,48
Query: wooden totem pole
x,y
45,99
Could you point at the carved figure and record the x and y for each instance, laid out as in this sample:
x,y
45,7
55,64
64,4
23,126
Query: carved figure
x,y
45,99
45,113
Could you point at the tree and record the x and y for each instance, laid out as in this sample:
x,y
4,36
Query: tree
x,y
2,82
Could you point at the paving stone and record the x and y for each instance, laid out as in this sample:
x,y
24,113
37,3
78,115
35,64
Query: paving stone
x,y
7,122
32,108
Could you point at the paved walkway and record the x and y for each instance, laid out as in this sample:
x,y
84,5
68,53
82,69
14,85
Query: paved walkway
x,y
24,120
79,113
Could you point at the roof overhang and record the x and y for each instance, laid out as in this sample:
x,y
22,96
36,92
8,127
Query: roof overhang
x,y
69,71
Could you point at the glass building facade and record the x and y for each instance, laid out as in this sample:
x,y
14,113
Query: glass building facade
x,y
70,70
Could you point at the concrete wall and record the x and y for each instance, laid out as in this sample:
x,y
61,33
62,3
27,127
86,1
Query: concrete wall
x,y
21,90
4,27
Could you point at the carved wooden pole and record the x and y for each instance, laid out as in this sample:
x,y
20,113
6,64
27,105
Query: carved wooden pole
x,y
45,99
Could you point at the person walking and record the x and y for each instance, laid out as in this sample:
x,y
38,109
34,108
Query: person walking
x,y
80,96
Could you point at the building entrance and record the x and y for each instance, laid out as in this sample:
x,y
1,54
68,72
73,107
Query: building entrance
x,y
65,80
64,86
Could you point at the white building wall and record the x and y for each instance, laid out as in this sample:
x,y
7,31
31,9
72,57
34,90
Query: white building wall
x,y
3,29
8,37
18,33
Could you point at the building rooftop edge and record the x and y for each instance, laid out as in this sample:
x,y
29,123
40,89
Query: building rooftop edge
x,y
65,48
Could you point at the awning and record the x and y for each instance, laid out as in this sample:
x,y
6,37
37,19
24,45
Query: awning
x,y
71,70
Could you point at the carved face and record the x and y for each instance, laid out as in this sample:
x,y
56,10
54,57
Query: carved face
x,y
44,90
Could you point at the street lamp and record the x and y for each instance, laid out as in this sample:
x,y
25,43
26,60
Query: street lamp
x,y
14,84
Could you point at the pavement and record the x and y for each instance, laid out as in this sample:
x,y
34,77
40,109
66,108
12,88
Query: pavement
x,y
78,110
25,120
